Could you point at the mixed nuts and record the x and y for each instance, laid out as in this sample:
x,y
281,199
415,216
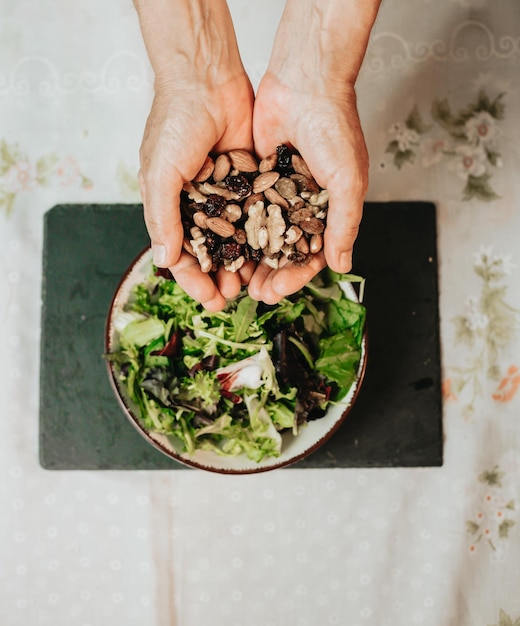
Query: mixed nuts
x,y
238,209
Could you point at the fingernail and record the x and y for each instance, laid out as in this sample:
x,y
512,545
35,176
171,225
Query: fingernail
x,y
345,262
159,254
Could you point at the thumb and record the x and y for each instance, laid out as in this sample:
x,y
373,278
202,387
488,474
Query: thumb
x,y
346,195
161,200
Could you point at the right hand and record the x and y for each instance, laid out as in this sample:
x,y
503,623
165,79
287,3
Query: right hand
x,y
184,125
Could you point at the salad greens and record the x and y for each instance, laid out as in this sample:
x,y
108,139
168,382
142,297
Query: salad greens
x,y
232,381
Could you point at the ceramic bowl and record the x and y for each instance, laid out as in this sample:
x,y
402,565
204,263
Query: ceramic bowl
x,y
294,447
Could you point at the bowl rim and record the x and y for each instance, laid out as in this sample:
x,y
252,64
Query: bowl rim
x,y
179,458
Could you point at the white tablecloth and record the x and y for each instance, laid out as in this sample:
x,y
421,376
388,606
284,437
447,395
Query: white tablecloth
x,y
439,96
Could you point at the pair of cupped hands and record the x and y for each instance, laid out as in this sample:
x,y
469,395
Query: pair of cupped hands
x,y
191,118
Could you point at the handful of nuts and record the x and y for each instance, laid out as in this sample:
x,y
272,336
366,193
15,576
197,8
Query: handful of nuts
x,y
238,209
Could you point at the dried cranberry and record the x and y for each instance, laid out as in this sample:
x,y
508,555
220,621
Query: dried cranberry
x,y
230,250
214,205
239,185
284,159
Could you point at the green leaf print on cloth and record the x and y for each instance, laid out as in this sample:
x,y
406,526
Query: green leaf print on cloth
x,y
494,514
487,327
505,620
20,174
465,141
128,181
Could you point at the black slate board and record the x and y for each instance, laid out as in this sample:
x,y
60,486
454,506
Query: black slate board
x,y
397,419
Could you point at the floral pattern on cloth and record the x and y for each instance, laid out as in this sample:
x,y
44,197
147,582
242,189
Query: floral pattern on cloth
x,y
495,513
466,141
487,327
128,181
505,620
18,173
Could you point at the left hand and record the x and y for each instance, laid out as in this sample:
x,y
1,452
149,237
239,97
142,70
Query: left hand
x,y
324,127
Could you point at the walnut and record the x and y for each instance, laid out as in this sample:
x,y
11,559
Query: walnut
x,y
286,188
320,199
312,225
193,193
276,228
293,234
299,215
256,218
235,264
232,212
199,248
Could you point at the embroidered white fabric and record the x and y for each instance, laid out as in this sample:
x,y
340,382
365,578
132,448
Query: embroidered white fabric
x,y
439,97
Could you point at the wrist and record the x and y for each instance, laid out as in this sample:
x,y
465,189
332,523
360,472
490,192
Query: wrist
x,y
322,42
189,41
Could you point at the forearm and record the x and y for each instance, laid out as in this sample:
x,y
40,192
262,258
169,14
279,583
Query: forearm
x,y
325,39
189,40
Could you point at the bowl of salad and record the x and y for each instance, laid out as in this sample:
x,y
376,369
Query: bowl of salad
x,y
251,388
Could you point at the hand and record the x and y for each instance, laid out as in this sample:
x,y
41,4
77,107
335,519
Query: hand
x,y
307,99
326,131
203,102
183,127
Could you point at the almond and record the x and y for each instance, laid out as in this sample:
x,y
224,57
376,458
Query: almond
x,y
252,199
205,171
243,160
264,181
275,198
220,227
300,166
316,243
222,167
200,219
302,245
268,164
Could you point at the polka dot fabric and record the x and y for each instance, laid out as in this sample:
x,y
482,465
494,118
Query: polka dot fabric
x,y
439,101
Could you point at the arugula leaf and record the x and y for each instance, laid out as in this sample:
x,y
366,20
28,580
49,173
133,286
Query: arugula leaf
x,y
347,315
339,360
243,317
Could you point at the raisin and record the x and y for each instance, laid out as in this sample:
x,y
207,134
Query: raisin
x,y
214,205
163,272
190,207
299,258
212,241
239,185
253,255
284,160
